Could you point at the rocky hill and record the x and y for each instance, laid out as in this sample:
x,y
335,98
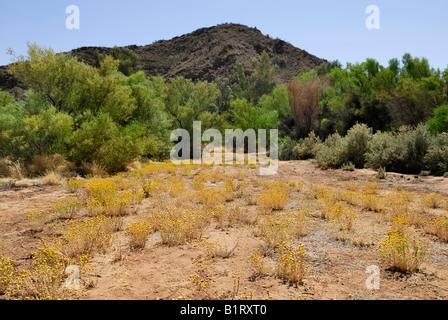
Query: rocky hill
x,y
205,54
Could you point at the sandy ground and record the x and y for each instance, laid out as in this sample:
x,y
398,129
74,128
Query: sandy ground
x,y
338,269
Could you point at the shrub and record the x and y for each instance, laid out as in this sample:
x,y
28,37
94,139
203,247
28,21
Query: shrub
x,y
88,236
46,278
402,251
291,265
52,178
273,200
439,123
66,208
355,144
6,272
436,159
381,174
411,147
348,167
307,147
5,170
285,149
139,232
179,226
381,151
41,164
330,154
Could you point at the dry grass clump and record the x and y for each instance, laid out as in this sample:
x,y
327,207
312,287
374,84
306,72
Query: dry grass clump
x,y
272,201
277,230
52,178
47,276
104,197
37,219
67,208
438,226
291,264
93,169
42,164
139,232
402,251
178,226
5,170
210,197
73,185
431,201
87,237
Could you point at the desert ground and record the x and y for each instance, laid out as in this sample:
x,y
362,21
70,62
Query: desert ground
x,y
225,232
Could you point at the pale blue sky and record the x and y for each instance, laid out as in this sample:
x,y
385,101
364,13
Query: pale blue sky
x,y
327,28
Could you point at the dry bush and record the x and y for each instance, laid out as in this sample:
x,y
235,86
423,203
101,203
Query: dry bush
x,y
438,226
37,219
178,226
134,166
209,197
6,272
238,215
277,230
403,252
52,178
17,171
87,237
66,208
139,232
42,164
258,265
272,200
291,264
47,276
431,201
5,170
93,169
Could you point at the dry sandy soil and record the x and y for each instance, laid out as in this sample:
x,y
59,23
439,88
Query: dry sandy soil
x,y
338,269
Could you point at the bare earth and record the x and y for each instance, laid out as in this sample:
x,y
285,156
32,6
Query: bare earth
x,y
338,269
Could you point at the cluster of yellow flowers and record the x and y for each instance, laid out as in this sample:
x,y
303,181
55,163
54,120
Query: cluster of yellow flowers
x,y
431,200
45,279
37,219
178,226
139,232
67,208
291,264
209,197
402,251
439,227
6,272
272,200
88,236
105,197
74,185
201,284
